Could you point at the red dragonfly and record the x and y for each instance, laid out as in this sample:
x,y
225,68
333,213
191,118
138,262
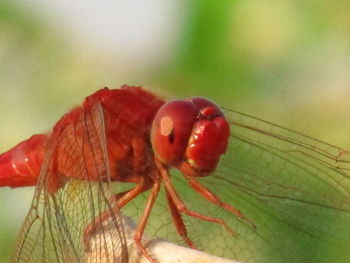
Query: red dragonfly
x,y
115,152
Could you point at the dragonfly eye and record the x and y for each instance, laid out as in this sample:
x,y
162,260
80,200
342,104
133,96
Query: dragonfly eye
x,y
171,130
171,137
190,135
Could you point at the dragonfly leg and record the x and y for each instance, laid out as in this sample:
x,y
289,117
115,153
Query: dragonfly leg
x,y
180,205
126,197
178,222
211,197
94,227
122,200
143,221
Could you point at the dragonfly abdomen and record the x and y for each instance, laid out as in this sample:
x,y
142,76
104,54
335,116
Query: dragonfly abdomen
x,y
20,166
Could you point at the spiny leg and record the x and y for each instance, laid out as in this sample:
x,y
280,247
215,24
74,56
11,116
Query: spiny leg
x,y
211,197
122,200
180,205
143,221
141,187
178,222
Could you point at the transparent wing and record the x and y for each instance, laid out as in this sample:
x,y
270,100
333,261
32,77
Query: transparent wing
x,y
73,190
294,188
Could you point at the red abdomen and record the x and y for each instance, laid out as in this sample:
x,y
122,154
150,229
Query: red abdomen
x,y
20,166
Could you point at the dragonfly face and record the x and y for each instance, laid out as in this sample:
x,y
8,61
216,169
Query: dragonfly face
x,y
191,135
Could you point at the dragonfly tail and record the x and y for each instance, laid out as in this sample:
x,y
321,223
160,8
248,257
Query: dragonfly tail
x,y
20,166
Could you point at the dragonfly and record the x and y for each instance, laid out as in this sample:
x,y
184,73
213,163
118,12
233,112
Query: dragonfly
x,y
201,176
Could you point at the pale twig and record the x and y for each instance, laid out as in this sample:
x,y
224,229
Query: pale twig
x,y
162,250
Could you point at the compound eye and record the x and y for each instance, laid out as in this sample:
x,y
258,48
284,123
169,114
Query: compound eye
x,y
206,108
171,130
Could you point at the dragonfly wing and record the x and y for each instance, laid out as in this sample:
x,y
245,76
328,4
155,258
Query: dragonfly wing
x,y
73,190
295,189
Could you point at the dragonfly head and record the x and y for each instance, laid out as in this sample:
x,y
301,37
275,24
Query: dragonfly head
x,y
190,135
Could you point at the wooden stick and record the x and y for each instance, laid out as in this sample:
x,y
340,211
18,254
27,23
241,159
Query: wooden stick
x,y
162,250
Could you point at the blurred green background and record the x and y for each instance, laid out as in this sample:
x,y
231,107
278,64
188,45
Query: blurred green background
x,y
286,61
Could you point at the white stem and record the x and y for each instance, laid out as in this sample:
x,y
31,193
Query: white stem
x,y
162,251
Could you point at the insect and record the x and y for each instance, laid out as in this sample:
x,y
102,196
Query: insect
x,y
240,187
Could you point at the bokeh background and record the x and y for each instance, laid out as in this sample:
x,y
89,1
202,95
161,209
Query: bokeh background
x,y
286,61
